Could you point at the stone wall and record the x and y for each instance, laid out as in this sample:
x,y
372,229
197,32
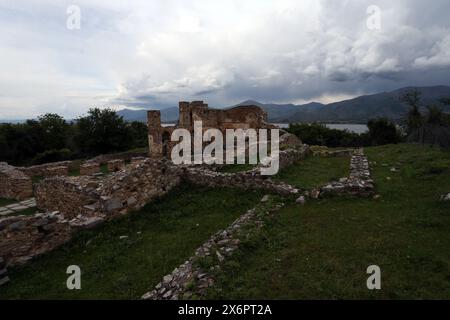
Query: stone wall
x,y
42,170
126,156
3,272
189,278
24,237
115,165
249,179
14,184
117,193
89,168
359,182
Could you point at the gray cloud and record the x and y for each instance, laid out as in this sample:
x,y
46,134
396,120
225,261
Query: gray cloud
x,y
153,54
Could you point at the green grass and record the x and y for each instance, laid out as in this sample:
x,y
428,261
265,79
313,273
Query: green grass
x,y
322,250
104,168
26,212
161,236
314,171
37,179
236,168
75,172
5,202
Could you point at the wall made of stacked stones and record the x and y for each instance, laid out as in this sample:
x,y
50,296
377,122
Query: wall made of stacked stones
x,y
14,184
68,195
249,179
111,195
24,237
42,170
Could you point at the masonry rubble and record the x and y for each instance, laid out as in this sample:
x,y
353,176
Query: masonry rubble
x,y
14,184
251,179
358,183
4,279
115,165
74,203
57,171
46,169
189,278
89,168
110,195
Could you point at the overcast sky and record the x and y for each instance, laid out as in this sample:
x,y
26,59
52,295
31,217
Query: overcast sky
x,y
154,53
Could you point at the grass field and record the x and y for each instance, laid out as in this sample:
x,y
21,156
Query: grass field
x,y
315,172
159,238
322,250
317,251
5,202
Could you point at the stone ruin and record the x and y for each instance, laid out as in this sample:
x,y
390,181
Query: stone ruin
x,y
14,184
358,183
242,117
74,203
70,204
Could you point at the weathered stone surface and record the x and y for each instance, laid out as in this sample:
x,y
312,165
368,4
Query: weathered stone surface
x,y
14,184
189,278
115,165
359,182
89,168
24,237
57,171
300,200
250,179
111,195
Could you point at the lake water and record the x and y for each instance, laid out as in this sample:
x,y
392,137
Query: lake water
x,y
357,128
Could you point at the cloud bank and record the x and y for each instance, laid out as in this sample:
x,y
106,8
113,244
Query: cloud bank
x,y
152,54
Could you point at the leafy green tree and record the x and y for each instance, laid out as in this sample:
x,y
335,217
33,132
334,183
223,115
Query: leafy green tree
x,y
102,131
139,134
54,130
435,116
414,118
382,131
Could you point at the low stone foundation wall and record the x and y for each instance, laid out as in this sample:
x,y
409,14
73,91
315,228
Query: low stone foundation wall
x,y
110,195
200,175
359,182
14,184
189,278
3,272
126,156
24,237
115,165
43,170
89,168
57,171
244,180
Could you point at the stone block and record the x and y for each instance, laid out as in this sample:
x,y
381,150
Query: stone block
x,y
89,168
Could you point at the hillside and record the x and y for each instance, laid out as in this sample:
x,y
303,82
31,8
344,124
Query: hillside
x,y
357,110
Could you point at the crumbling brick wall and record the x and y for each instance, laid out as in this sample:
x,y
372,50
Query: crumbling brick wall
x,y
14,184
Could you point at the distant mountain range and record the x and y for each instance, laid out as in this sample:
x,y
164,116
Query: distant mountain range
x,y
357,110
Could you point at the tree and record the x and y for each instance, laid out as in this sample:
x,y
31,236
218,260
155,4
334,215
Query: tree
x,y
382,131
435,116
414,118
102,131
54,130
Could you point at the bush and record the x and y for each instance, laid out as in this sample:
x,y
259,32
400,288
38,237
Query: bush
x,y
52,156
319,134
382,131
